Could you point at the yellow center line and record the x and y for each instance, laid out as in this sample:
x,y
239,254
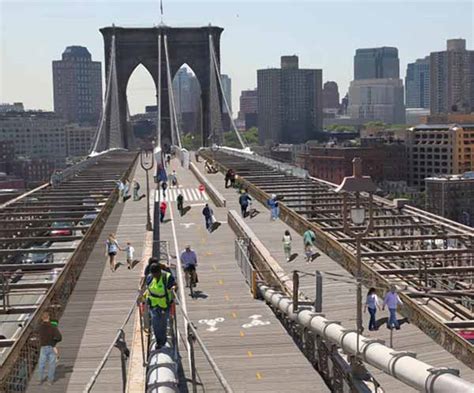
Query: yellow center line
x,y
242,333
234,315
259,376
221,282
250,354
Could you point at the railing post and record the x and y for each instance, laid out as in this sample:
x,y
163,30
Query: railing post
x,y
296,284
122,346
318,301
254,284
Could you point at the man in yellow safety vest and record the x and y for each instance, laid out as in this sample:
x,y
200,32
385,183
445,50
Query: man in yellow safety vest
x,y
159,295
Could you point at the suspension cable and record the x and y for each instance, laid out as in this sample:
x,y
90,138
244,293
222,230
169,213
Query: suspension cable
x,y
229,111
173,113
158,127
107,98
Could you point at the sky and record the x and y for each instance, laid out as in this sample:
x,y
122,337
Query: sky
x,y
324,34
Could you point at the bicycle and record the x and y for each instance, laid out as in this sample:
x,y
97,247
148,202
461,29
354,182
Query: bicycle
x,y
191,278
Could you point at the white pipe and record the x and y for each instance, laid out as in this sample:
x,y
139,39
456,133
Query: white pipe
x,y
163,375
405,368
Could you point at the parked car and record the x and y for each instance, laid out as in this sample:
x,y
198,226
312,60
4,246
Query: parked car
x,y
63,229
38,257
467,335
87,219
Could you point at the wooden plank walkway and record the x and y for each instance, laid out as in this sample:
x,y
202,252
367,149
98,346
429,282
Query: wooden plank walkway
x,y
339,298
256,356
98,307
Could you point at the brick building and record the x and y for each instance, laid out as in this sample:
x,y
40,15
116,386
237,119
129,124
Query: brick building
x,y
381,161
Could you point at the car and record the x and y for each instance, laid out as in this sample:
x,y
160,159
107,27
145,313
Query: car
x,y
87,219
38,257
63,229
467,335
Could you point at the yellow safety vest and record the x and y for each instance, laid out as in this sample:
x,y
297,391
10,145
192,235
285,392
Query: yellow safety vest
x,y
157,293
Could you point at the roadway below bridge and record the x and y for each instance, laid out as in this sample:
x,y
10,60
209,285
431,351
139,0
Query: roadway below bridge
x,y
339,289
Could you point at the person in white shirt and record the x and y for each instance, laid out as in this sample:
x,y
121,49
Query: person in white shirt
x,y
392,300
372,303
130,252
287,245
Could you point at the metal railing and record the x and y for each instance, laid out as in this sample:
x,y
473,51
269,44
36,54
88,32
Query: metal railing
x,y
323,355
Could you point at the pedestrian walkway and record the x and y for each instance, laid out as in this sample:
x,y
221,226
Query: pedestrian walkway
x,y
248,343
98,307
339,297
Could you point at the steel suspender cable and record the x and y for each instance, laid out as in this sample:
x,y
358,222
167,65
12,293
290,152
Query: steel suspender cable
x,y
216,69
170,91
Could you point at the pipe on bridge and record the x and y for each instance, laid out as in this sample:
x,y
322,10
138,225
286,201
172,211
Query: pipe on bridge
x,y
401,365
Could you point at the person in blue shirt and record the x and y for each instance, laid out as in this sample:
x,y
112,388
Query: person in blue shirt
x,y
189,263
274,209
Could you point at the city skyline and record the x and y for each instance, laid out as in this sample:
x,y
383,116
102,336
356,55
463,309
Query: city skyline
x,y
252,38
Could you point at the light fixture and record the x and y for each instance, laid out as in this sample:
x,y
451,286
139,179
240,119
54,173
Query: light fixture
x,y
358,215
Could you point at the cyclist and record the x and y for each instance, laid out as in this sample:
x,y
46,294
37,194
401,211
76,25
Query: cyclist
x,y
189,263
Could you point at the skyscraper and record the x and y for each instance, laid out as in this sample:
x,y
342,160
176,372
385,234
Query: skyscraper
x,y
330,95
376,93
248,113
376,63
227,90
417,84
187,93
452,79
77,83
289,103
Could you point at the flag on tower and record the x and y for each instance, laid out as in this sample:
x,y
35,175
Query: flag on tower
x,y
161,6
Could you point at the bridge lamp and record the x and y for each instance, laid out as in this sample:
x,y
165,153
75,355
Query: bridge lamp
x,y
355,185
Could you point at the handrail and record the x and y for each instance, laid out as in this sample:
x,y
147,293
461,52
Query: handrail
x,y
117,342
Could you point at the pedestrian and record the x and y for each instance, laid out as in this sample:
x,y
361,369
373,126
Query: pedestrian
x,y
392,300
233,177
208,214
227,178
136,190
174,179
120,187
168,159
130,250
164,186
49,336
111,249
159,296
126,191
309,238
371,304
287,245
244,201
274,209
163,207
189,264
180,202
54,179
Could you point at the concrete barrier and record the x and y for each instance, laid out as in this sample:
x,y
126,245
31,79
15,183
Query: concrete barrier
x,y
212,191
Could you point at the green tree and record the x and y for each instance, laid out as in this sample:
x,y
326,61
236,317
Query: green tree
x,y
191,142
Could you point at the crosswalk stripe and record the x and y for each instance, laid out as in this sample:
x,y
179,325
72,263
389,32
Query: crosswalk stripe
x,y
189,195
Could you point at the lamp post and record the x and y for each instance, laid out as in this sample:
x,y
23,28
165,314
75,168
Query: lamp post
x,y
357,184
147,162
